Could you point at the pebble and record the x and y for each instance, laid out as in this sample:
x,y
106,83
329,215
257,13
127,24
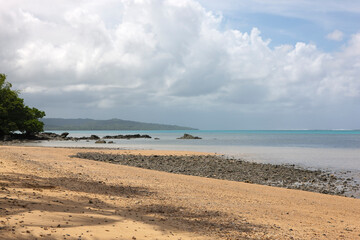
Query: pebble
x,y
286,176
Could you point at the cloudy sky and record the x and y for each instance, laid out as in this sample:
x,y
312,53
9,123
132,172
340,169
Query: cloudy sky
x,y
210,64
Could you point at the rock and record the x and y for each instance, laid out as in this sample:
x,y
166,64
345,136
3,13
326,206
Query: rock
x,y
188,136
129,136
157,138
100,141
47,136
64,134
110,141
94,137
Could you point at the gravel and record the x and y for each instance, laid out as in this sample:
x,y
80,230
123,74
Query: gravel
x,y
210,166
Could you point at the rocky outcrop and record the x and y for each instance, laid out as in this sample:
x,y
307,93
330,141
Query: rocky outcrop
x,y
50,136
94,137
129,136
188,136
64,134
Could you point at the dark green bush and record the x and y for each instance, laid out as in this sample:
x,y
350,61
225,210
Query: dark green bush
x,y
14,114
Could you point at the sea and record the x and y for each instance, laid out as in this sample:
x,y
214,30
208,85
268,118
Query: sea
x,y
334,150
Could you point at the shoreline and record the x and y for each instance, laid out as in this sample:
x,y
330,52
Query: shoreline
x,y
219,167
343,182
329,159
326,180
322,151
84,199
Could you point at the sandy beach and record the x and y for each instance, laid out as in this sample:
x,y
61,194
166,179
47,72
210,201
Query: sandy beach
x,y
45,194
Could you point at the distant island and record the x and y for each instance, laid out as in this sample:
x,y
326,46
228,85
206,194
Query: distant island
x,y
112,124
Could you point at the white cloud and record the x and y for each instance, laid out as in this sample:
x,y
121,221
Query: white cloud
x,y
166,53
336,35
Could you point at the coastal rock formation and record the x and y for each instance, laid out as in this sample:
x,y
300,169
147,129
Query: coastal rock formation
x,y
129,136
100,141
286,176
49,136
64,134
188,136
94,137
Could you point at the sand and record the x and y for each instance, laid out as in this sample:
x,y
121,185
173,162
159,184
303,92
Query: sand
x,y
45,194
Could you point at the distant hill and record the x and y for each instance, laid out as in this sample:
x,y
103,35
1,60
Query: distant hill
x,y
112,124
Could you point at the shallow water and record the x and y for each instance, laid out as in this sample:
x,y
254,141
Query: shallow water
x,y
338,150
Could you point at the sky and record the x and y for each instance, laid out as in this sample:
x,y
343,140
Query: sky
x,y
208,64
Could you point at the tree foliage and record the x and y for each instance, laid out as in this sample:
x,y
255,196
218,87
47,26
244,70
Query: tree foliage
x,y
14,114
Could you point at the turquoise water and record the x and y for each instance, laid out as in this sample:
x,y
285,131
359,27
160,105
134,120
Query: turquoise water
x,y
274,138
330,149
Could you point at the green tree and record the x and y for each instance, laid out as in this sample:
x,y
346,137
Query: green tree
x,y
14,114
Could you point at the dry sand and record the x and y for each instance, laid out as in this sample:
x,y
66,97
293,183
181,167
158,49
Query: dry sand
x,y
44,194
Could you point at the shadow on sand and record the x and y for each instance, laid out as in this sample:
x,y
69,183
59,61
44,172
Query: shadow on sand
x,y
32,191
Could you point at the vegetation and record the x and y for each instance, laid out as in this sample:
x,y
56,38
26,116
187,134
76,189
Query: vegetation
x,y
112,124
14,114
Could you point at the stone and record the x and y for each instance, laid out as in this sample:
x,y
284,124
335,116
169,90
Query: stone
x,y
285,176
64,134
188,136
129,136
94,137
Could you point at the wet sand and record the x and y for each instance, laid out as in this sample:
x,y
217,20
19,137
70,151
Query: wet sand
x,y
45,194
